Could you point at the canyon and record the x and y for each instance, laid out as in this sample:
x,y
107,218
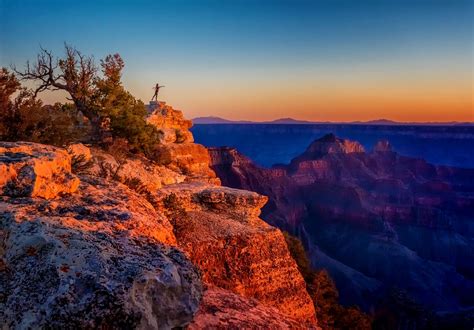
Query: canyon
x,y
100,237
93,237
394,232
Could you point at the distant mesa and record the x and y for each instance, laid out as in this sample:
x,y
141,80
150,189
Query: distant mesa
x,y
329,144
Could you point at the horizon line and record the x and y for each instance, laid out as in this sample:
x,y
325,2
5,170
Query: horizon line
x,y
290,120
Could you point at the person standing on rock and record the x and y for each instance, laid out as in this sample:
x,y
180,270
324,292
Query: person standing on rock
x,y
157,89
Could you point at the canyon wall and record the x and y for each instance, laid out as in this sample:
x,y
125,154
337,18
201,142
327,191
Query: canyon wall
x,y
378,221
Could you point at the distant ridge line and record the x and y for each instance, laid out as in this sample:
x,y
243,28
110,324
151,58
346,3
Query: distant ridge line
x,y
292,121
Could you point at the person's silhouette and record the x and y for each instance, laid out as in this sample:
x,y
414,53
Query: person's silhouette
x,y
157,89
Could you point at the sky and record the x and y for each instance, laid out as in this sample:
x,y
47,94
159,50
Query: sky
x,y
328,60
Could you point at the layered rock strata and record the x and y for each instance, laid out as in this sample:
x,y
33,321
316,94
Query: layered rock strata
x,y
220,231
378,221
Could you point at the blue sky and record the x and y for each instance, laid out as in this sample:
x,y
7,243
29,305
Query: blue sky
x,y
326,60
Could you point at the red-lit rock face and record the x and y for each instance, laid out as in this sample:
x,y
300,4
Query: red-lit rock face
x,y
177,150
222,309
221,233
103,255
34,170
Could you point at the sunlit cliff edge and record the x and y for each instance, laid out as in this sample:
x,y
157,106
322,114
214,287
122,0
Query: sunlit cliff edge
x,y
89,238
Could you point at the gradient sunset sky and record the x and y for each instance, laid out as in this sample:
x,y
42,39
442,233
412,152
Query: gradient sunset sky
x,y
329,60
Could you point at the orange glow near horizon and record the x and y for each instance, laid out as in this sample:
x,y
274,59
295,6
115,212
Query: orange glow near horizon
x,y
322,103
342,95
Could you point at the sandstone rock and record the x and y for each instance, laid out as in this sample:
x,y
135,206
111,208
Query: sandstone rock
x,y
190,159
77,150
105,257
35,170
171,122
93,259
221,309
222,234
242,204
177,150
148,173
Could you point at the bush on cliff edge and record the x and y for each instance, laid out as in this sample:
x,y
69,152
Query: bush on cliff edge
x,y
28,119
98,97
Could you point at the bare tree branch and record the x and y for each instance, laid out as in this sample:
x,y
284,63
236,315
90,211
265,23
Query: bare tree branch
x,y
74,74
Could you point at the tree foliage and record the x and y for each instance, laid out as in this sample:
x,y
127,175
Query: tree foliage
x,y
26,118
126,114
98,95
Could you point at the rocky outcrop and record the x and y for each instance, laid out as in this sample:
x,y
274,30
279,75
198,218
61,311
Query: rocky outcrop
x,y
177,150
190,159
221,309
126,168
171,122
32,170
101,257
219,229
377,221
329,144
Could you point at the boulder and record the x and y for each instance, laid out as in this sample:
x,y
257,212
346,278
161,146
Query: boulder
x,y
35,170
102,257
171,122
79,151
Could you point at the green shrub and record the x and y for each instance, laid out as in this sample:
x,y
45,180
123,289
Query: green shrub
x,y
111,111
26,118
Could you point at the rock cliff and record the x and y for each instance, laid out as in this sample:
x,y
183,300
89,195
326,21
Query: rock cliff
x,y
98,257
177,150
378,221
93,239
219,229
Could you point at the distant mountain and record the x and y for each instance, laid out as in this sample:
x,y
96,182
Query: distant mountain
x,y
218,120
380,122
292,121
